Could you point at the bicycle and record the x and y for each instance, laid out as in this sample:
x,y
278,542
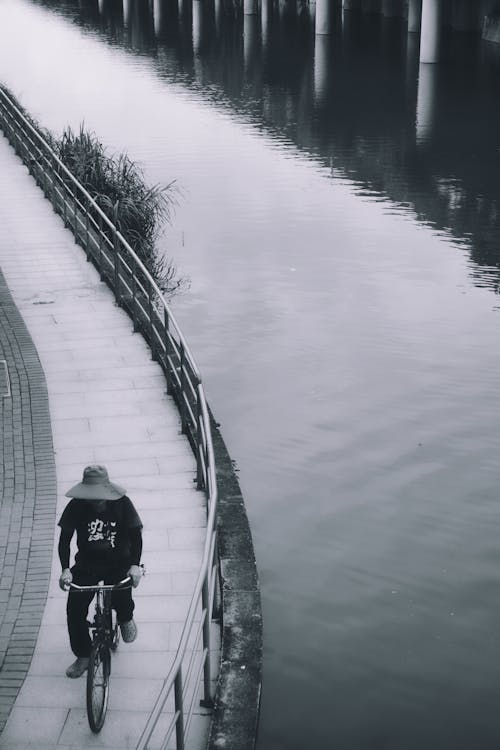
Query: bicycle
x,y
105,638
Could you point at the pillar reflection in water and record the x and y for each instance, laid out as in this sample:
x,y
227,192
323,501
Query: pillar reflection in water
x,y
197,25
250,40
250,7
426,102
414,16
265,15
218,15
430,33
324,14
126,12
412,61
157,16
312,12
100,5
322,50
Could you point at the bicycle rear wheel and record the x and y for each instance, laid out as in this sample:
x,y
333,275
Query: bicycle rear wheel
x,y
98,685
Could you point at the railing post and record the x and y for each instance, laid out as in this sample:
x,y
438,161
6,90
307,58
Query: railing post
x,y
53,181
206,701
182,403
199,444
65,216
134,294
26,152
44,176
179,724
116,266
48,181
151,327
16,140
166,333
87,250
101,272
75,223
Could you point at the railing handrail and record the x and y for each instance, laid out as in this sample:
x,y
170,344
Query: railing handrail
x,y
109,223
165,690
201,438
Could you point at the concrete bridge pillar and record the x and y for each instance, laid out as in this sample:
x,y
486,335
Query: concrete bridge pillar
x,y
430,33
414,16
324,16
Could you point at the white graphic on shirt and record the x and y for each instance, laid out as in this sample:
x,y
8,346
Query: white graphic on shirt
x,y
102,531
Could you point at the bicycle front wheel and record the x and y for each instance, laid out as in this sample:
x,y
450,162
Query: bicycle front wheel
x,y
98,685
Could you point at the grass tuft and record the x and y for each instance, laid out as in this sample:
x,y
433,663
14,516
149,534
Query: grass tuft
x,y
117,185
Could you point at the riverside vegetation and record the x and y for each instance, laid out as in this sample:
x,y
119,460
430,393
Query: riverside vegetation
x,y
117,185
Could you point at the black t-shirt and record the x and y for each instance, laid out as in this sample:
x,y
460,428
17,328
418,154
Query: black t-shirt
x,y
102,537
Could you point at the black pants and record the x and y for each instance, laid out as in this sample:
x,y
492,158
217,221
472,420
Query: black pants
x,y
79,601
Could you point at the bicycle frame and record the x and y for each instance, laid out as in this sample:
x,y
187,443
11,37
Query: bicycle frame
x,y
102,625
105,640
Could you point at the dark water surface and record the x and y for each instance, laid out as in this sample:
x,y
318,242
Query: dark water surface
x,y
339,220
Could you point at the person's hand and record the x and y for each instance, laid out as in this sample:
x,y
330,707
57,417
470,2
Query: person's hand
x,y
135,572
65,579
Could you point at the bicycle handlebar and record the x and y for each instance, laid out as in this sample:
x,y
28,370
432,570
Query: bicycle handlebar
x,y
104,586
99,586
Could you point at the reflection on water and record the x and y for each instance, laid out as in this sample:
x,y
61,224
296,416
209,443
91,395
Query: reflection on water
x,y
341,231
358,100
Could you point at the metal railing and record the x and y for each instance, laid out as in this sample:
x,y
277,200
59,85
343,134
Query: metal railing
x,y
136,291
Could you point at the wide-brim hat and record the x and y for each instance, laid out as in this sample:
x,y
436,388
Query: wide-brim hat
x,y
96,485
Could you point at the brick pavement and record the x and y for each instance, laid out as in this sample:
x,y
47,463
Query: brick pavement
x,y
27,502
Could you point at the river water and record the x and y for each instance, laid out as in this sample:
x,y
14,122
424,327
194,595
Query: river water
x,y
339,222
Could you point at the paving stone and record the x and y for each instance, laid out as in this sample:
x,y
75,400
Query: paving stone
x,y
33,727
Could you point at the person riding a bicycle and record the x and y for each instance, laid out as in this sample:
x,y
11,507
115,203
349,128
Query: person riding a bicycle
x,y
109,547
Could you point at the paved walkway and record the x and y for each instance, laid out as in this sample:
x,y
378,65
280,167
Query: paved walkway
x,y
107,405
